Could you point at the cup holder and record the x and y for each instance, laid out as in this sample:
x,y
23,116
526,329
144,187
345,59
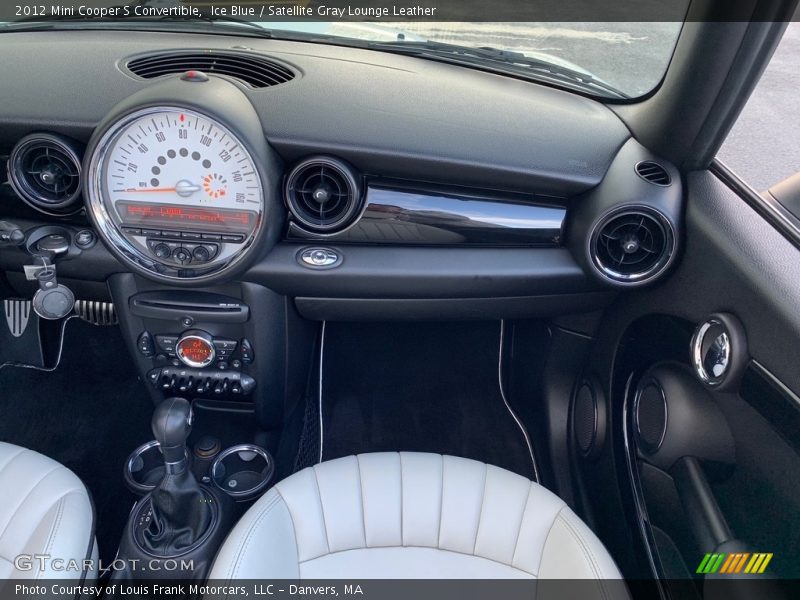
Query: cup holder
x,y
144,468
243,471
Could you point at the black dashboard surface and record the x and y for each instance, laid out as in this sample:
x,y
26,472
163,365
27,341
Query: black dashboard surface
x,y
388,114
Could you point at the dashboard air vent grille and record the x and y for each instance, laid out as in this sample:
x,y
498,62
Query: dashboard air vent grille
x,y
45,171
653,172
255,71
323,194
633,245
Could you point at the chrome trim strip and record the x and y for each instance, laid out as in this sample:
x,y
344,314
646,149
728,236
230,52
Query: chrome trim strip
x,y
406,215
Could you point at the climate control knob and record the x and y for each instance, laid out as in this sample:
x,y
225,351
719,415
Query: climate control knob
x,y
201,254
195,348
162,251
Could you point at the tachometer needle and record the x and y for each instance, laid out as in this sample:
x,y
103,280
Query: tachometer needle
x,y
149,190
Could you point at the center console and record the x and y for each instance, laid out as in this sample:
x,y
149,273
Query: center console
x,y
180,516
232,344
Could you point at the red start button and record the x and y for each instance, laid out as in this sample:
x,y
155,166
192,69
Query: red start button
x,y
195,351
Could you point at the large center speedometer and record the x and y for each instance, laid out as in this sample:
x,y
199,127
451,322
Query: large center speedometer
x,y
177,158
180,193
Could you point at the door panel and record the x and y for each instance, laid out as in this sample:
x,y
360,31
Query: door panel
x,y
740,501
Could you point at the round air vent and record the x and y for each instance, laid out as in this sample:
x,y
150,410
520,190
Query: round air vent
x,y
45,171
323,194
632,245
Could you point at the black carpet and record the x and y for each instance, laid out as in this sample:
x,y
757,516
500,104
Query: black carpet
x,y
88,414
426,387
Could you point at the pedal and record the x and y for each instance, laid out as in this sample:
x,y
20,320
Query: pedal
x,y
20,342
18,313
96,312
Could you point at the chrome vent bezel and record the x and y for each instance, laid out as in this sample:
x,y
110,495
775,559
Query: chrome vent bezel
x,y
654,269
35,193
254,70
349,194
653,172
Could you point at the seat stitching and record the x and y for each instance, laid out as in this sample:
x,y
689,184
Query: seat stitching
x,y
521,521
237,565
27,495
441,507
363,506
53,530
12,459
498,562
234,568
322,509
547,537
480,512
294,528
587,552
72,491
402,502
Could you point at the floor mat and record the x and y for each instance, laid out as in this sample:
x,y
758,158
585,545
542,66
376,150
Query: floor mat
x,y
426,387
88,414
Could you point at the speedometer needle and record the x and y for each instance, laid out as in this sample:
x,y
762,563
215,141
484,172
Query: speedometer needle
x,y
182,188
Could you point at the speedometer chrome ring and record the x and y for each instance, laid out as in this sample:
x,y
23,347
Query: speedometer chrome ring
x,y
176,192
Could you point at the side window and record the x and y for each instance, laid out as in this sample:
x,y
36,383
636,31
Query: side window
x,y
763,148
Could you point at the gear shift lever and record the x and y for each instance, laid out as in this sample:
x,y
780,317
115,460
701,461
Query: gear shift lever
x,y
181,510
171,424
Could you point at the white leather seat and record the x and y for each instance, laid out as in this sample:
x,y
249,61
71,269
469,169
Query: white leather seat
x,y
411,515
45,510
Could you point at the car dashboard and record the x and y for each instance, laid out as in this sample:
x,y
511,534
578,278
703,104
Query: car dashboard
x,y
382,186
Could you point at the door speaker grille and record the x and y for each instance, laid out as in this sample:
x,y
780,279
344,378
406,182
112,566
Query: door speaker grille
x,y
650,416
588,419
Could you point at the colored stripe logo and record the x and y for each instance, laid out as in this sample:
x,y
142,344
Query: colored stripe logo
x,y
735,562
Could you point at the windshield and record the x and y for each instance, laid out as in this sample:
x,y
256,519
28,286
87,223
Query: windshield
x,y
632,57
620,60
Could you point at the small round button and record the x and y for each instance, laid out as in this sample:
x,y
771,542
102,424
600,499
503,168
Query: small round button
x,y
85,238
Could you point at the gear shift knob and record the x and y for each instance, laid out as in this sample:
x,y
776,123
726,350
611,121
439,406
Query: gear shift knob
x,y
171,424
